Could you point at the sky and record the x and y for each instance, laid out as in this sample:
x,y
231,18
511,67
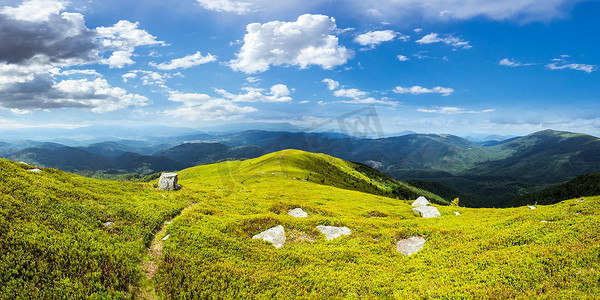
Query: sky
x,y
461,66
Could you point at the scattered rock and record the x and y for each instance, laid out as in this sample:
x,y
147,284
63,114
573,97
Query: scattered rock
x,y
580,200
332,232
108,224
532,207
543,221
421,201
36,170
297,213
427,211
410,245
166,237
168,182
275,236
457,213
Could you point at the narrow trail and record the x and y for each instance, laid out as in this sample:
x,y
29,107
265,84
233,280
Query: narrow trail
x,y
152,257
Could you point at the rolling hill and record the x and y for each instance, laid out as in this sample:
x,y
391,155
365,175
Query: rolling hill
x,y
580,186
67,236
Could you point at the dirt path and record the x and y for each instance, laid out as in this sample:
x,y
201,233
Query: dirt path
x,y
150,261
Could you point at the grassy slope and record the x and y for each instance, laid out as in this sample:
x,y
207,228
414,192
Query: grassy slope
x,y
483,253
584,185
52,240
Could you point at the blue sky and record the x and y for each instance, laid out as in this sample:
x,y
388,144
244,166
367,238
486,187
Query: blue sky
x,y
460,67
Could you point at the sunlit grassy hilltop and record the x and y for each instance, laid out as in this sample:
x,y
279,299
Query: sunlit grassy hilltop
x,y
55,244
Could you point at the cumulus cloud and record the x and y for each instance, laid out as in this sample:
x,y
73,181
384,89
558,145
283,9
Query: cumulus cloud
x,y
331,84
204,107
401,57
44,40
374,38
448,40
43,93
513,63
238,7
350,93
305,42
562,63
417,90
277,94
454,110
150,77
185,62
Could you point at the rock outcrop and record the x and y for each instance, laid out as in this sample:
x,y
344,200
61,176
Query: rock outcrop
x,y
332,232
421,201
410,245
274,235
427,211
297,213
168,182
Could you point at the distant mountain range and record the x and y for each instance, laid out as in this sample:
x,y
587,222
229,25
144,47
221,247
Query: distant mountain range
x,y
484,174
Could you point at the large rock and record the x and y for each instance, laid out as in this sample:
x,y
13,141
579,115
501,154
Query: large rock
x,y
427,211
297,213
410,245
332,232
36,170
168,182
421,201
275,236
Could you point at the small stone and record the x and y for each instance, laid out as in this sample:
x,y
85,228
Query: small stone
x,y
580,200
332,232
532,207
275,236
168,182
166,237
36,170
421,201
543,221
297,213
410,245
457,213
427,211
108,224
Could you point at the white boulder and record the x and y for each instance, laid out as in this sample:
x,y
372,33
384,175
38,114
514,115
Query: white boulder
x,y
275,236
332,232
297,213
421,201
457,213
427,211
532,207
168,182
36,170
410,245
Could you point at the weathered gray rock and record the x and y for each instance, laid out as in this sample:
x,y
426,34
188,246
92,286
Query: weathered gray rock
x,y
332,232
166,237
532,207
297,213
108,224
421,201
275,236
410,245
36,170
168,182
427,211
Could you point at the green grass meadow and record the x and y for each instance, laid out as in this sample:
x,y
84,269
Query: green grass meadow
x,y
54,244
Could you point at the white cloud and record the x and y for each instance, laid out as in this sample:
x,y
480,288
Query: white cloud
x,y
331,84
98,95
402,57
131,75
119,59
350,93
454,110
374,38
150,77
278,93
205,107
305,42
448,40
512,63
238,7
417,90
417,30
561,63
34,11
185,62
